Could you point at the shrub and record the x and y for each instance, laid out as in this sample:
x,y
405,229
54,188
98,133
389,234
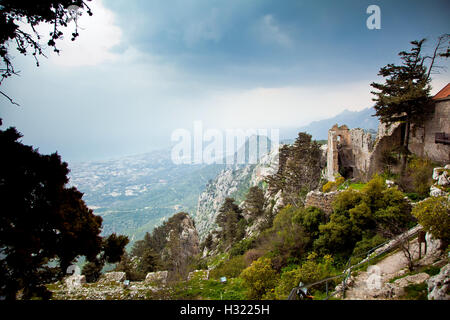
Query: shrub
x,y
241,247
421,171
285,239
231,268
333,185
434,215
368,242
310,218
312,270
259,278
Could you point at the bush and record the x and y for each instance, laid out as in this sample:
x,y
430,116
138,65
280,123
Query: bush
x,y
259,278
92,271
241,247
310,218
285,239
231,268
434,215
418,177
421,171
333,185
312,270
368,242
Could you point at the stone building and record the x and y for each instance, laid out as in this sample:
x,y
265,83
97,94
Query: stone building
x,y
432,139
353,153
348,152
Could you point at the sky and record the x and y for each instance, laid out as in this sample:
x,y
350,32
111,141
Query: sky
x,y
142,69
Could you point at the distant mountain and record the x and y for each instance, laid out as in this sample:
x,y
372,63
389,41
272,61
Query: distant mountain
x,y
319,129
136,193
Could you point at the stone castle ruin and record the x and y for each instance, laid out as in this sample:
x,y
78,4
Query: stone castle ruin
x,y
356,153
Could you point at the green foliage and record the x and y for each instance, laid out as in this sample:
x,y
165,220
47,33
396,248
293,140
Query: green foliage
x,y
333,185
41,221
92,270
254,202
156,242
421,171
310,218
368,242
231,268
114,247
239,248
231,222
417,177
298,170
233,289
259,278
434,215
149,262
285,239
312,270
374,208
416,292
129,266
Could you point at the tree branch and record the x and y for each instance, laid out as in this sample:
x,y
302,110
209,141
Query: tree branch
x,y
7,97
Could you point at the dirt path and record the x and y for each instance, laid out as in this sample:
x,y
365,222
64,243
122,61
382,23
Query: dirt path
x,y
368,284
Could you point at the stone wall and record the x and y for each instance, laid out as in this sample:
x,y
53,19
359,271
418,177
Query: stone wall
x,y
354,153
321,200
422,139
348,152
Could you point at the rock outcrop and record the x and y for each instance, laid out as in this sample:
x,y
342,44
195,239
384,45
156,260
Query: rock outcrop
x,y
74,282
441,177
234,181
439,285
157,277
116,276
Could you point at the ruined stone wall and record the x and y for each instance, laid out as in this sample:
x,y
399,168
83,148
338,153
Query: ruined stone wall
x,y
349,151
362,145
388,138
321,200
354,152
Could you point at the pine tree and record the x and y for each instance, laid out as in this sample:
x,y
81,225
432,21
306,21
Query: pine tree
x,y
405,95
299,170
254,202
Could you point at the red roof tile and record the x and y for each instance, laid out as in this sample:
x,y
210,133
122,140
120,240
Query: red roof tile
x,y
444,93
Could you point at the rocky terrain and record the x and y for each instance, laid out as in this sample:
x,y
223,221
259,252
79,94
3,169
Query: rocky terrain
x,y
234,182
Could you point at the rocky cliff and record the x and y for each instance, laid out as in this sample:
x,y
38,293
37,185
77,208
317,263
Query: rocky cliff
x,y
233,181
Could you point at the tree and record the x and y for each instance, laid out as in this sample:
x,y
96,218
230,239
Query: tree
x,y
112,250
231,221
254,202
299,170
41,220
434,215
149,262
374,209
405,95
16,15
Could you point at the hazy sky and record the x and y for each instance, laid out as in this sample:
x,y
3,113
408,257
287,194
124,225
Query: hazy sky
x,y
141,69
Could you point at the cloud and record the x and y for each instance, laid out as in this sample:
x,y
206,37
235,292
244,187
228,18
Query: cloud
x,y
284,106
270,32
205,28
98,34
